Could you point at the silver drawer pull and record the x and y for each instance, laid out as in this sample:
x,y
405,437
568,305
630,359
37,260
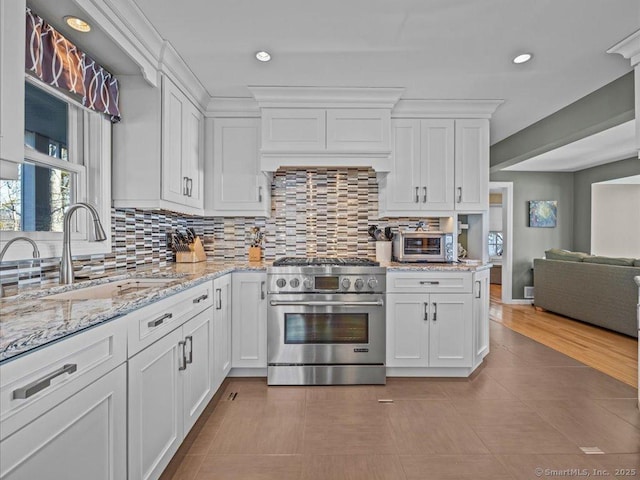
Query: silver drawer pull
x,y
201,298
159,321
189,359
219,303
429,282
44,382
435,311
181,346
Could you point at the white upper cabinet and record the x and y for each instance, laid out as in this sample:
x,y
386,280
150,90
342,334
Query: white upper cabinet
x,y
235,184
12,45
158,148
333,130
472,165
421,179
439,165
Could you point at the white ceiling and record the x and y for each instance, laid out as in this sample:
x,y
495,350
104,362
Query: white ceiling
x,y
610,145
436,49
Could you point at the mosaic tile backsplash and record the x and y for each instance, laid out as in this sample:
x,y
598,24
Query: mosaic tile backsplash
x,y
314,212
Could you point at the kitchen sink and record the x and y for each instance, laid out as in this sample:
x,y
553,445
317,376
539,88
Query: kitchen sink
x,y
111,289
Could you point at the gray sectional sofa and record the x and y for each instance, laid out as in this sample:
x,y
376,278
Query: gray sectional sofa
x,y
597,290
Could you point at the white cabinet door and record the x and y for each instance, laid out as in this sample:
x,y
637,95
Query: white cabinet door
x,y
437,162
174,180
222,329
407,330
450,317
12,46
249,320
358,129
293,129
472,165
192,155
197,382
155,407
402,191
480,315
238,185
83,437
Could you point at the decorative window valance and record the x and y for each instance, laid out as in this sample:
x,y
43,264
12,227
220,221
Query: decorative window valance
x,y
58,62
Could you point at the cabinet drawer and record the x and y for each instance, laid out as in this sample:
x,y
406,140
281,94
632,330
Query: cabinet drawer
x,y
37,382
429,282
151,323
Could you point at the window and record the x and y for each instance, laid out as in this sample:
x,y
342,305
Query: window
x,y
66,160
495,244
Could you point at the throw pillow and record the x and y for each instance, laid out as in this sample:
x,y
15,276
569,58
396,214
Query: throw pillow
x,y
566,255
623,262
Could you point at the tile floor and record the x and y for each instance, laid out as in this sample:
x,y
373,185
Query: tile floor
x,y
528,408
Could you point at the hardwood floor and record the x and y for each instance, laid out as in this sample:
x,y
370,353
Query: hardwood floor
x,y
609,352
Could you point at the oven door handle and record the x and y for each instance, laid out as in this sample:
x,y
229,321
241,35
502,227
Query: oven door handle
x,y
326,303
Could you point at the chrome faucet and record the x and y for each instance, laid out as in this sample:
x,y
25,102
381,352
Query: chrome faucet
x,y
36,253
66,265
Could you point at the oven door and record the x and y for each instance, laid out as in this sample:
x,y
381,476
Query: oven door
x,y
426,247
325,329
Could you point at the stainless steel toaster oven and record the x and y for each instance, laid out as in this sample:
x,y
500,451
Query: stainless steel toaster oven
x,y
423,246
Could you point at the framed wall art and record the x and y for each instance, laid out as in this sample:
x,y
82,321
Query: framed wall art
x,y
543,213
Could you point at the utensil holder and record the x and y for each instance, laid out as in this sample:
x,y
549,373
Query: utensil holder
x,y
383,252
194,255
255,254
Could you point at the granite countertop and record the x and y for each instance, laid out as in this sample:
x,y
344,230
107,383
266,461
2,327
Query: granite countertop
x,y
30,320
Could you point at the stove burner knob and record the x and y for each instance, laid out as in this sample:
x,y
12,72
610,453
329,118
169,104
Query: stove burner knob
x,y
372,283
294,282
308,283
359,284
281,282
346,283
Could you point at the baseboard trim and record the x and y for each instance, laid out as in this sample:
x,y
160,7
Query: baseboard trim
x,y
520,301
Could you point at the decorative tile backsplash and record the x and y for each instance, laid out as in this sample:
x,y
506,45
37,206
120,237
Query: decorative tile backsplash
x,y
314,212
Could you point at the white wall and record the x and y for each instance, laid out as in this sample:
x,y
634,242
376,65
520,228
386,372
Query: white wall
x,y
615,220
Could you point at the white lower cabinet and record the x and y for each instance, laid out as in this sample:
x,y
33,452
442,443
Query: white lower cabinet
x,y
428,330
480,316
249,320
83,437
170,384
221,330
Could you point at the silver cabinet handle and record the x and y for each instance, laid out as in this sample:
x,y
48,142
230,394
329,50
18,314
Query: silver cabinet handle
x,y
426,311
190,186
424,196
459,194
260,194
417,196
181,344
219,302
185,187
479,289
435,311
201,298
262,294
42,383
429,282
159,320
189,339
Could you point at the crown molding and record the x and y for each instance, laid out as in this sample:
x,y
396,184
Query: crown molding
x,y
232,107
326,97
126,25
445,108
629,48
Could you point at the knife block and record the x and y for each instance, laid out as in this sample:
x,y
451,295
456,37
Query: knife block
x,y
194,255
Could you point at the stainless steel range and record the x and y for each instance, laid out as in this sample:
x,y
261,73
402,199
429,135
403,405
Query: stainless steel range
x,y
326,321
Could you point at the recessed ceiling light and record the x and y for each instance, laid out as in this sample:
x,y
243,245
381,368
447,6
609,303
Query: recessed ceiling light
x,y
77,23
263,56
523,57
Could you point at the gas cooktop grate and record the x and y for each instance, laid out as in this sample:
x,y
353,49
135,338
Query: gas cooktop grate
x,y
343,262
